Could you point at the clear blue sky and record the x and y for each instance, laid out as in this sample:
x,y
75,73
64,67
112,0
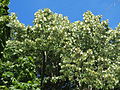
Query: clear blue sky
x,y
74,9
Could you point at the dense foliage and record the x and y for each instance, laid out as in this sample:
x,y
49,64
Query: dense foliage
x,y
4,20
55,54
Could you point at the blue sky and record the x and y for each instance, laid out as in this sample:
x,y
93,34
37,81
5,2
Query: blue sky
x,y
74,9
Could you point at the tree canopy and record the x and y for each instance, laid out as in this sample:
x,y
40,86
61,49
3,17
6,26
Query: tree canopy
x,y
55,54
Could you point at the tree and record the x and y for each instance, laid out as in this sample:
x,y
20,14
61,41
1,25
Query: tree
x,y
62,55
92,56
4,20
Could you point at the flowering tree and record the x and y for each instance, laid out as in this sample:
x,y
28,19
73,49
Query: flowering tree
x,y
92,54
56,54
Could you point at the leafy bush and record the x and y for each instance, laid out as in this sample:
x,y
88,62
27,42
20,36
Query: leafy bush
x,y
19,73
